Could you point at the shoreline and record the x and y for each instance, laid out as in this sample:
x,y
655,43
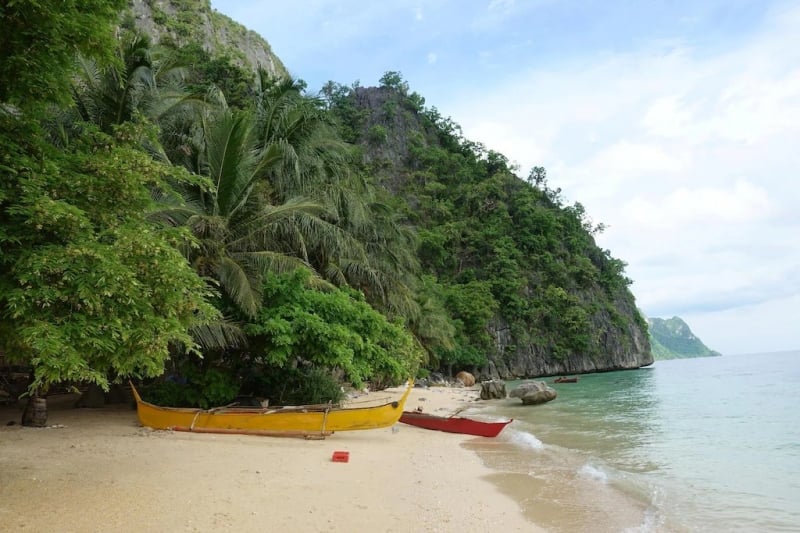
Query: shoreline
x,y
98,470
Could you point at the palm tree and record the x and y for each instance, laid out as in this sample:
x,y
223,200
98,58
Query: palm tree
x,y
143,81
280,195
145,84
373,250
240,233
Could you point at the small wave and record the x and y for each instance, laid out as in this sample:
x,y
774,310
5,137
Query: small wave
x,y
593,472
524,439
652,521
654,518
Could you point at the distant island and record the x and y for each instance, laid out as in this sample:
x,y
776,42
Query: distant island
x,y
673,339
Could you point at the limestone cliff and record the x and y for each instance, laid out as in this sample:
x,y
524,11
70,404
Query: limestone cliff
x,y
569,308
398,138
183,21
621,349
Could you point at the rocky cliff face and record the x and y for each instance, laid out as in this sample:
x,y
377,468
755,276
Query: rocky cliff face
x,y
398,122
184,21
624,349
619,342
621,345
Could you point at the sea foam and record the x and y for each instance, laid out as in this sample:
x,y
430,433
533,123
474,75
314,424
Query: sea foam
x,y
524,439
593,472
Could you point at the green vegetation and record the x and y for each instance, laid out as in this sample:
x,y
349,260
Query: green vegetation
x,y
332,328
88,286
672,339
39,43
495,246
294,386
175,211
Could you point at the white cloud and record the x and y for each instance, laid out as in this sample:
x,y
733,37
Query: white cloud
x,y
668,117
691,159
496,14
685,207
686,149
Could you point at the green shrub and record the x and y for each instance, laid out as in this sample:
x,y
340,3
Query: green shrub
x,y
209,388
165,393
294,386
377,135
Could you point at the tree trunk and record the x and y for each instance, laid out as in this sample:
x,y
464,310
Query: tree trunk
x,y
35,413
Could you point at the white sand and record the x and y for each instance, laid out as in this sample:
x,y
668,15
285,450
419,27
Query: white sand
x,y
102,472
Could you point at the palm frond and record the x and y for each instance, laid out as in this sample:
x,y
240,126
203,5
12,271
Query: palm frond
x,y
231,160
219,335
335,274
243,289
268,261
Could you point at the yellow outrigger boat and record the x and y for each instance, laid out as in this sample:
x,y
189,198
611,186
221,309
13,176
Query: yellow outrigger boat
x,y
310,421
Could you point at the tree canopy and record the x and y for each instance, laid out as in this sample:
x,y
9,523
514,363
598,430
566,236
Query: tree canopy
x,y
500,252
88,286
163,207
40,41
334,329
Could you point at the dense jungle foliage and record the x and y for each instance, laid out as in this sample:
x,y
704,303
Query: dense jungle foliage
x,y
490,243
168,213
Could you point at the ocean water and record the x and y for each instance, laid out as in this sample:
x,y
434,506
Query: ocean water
x,y
709,444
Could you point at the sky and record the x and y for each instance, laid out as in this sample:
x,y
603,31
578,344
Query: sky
x,y
675,123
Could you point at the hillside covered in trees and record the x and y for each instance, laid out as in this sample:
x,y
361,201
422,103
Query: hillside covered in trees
x,y
671,338
518,271
168,207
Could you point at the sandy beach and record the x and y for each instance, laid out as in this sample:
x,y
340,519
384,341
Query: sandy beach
x,y
98,470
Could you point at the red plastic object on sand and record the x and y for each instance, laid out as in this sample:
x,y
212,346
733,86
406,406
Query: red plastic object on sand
x,y
340,457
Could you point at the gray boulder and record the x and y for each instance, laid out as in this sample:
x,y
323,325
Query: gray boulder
x,y
534,392
493,390
435,378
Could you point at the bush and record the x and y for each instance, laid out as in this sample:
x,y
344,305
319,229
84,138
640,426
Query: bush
x,y
165,393
294,386
203,389
377,135
336,330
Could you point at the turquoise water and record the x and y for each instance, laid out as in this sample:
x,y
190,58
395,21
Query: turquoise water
x,y
710,444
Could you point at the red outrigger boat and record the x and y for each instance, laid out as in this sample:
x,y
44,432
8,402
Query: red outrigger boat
x,y
454,424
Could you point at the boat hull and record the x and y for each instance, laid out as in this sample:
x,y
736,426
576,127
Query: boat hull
x,y
454,424
566,380
300,421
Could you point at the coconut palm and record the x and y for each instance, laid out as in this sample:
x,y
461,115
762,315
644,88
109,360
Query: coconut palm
x,y
240,233
373,251
143,81
145,84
